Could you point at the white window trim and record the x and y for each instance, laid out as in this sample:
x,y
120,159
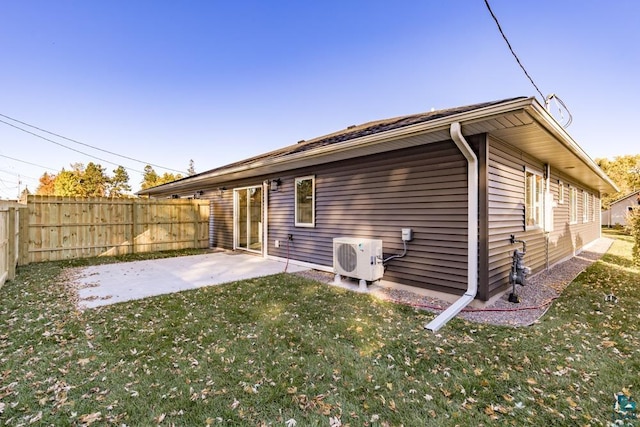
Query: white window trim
x,y
561,193
312,224
540,222
585,206
573,206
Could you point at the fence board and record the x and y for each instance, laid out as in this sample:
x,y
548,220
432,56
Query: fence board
x,y
66,227
10,214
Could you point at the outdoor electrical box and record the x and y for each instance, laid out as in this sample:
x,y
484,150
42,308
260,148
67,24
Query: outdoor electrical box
x,y
407,234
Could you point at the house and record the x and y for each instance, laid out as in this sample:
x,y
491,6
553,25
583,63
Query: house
x,y
464,180
618,210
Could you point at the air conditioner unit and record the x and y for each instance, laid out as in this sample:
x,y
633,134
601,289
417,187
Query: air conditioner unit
x,y
358,258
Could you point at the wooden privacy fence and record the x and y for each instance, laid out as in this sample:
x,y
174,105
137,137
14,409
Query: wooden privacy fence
x,y
10,246
69,227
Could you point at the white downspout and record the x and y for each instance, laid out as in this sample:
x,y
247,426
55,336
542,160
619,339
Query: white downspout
x,y
472,226
265,219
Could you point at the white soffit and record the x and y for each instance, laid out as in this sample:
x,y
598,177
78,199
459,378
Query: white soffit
x,y
535,141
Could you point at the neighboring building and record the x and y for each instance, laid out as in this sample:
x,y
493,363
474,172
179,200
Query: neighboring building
x,y
617,213
530,179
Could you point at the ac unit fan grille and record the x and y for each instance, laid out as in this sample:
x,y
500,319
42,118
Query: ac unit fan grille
x,y
347,257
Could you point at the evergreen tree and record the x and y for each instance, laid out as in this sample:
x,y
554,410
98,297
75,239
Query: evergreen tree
x,y
94,181
149,178
119,183
192,169
152,179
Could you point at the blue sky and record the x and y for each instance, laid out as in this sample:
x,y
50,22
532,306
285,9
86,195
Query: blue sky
x,y
165,82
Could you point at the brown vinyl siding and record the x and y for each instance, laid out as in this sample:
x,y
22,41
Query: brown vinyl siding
x,y
423,188
506,186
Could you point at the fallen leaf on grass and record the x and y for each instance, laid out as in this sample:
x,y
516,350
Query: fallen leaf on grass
x,y
235,404
89,419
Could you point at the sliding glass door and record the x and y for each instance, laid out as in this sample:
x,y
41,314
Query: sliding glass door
x,y
248,218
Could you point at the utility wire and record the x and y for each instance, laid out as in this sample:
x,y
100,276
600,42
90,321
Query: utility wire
x,y
13,173
486,2
87,145
28,163
65,146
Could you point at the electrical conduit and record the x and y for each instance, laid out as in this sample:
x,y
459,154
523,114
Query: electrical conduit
x,y
472,227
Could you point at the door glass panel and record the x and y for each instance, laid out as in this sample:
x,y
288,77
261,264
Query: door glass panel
x,y
255,218
249,219
241,221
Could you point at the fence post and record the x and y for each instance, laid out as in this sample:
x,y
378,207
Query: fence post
x,y
23,245
11,244
196,224
134,225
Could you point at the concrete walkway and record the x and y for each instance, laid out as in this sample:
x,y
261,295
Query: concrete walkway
x,y
112,283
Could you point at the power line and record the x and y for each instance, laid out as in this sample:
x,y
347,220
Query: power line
x,y
65,146
486,2
13,173
86,145
28,163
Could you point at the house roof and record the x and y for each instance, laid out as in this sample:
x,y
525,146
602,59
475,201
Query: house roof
x,y
625,197
521,122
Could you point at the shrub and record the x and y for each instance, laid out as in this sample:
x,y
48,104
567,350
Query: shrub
x,y
633,223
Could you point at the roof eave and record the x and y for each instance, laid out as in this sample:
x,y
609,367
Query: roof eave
x,y
379,143
540,114
288,162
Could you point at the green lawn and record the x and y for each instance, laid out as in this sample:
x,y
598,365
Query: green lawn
x,y
282,348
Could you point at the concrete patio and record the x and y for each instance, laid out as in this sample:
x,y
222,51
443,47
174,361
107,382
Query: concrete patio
x,y
113,283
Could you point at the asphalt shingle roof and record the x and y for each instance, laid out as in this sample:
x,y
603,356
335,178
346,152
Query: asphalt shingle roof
x,y
353,132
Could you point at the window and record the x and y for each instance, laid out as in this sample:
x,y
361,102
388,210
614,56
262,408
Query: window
x,y
585,206
305,209
534,195
573,205
560,192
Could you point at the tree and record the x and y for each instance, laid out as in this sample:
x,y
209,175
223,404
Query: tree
x,y
633,224
94,181
46,186
119,183
68,183
91,181
151,179
192,169
625,172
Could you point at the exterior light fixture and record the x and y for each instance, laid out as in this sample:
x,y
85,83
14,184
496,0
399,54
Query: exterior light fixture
x,y
274,185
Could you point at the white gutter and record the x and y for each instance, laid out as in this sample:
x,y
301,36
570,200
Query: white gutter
x,y
472,226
